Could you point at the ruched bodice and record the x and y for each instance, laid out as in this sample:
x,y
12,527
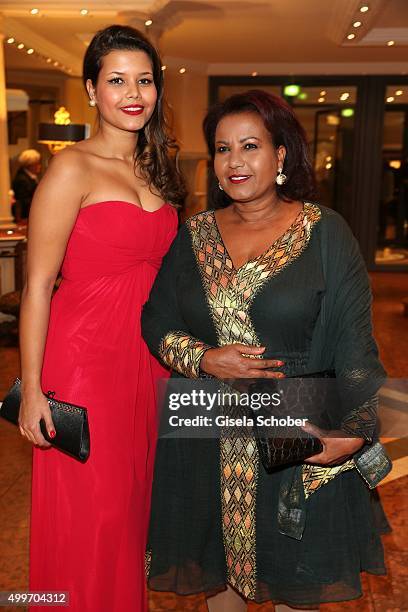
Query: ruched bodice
x,y
114,237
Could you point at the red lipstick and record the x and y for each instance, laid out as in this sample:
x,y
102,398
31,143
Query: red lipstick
x,y
133,109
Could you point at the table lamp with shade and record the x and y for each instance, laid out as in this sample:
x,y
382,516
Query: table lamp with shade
x,y
62,132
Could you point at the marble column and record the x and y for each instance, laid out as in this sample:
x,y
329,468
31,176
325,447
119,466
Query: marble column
x,y
6,219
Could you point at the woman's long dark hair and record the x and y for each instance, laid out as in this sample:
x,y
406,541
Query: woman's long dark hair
x,y
155,143
284,128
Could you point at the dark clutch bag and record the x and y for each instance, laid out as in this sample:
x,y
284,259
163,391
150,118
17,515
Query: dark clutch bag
x,y
305,399
71,422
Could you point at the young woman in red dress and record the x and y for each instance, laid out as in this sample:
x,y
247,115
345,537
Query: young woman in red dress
x,y
104,211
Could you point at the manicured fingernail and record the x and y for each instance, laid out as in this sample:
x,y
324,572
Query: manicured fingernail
x,y
52,434
280,363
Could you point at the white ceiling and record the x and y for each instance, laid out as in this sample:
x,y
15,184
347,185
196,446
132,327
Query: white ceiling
x,y
217,35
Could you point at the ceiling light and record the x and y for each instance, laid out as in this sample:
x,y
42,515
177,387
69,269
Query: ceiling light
x,y
84,12
399,92
30,51
48,60
357,24
323,92
254,74
390,99
364,9
34,11
328,166
391,43
344,96
148,22
20,46
321,99
351,36
163,67
182,70
11,40
56,64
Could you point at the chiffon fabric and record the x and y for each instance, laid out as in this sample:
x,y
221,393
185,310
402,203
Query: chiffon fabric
x,y
89,521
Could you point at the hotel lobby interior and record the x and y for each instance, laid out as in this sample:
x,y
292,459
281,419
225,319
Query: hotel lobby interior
x,y
343,66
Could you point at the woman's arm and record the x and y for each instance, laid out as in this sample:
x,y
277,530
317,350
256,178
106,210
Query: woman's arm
x,y
358,370
53,213
168,337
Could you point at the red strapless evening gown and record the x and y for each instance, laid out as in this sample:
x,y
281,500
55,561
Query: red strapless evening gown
x,y
89,521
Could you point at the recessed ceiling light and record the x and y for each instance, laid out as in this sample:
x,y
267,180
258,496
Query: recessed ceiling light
x,y
254,73
357,24
320,99
364,9
328,166
323,92
399,92
390,99
56,64
48,60
345,95
30,51
34,11
20,46
351,36
148,22
11,40
391,43
164,67
182,70
84,12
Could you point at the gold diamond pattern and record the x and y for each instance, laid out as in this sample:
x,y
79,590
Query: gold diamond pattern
x,y
230,293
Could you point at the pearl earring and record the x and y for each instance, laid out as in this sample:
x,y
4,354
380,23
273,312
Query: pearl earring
x,y
281,178
219,186
92,103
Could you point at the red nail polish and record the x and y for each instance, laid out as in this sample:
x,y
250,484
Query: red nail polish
x,y
52,434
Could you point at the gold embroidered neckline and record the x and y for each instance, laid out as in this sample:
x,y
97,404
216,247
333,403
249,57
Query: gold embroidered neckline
x,y
275,244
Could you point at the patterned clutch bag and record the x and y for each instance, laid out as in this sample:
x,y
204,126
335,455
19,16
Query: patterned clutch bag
x,y
303,399
71,422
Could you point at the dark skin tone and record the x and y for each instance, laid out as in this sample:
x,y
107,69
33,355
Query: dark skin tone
x,y
246,164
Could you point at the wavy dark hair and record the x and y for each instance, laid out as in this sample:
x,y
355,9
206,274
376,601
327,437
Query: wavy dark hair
x,y
284,128
156,150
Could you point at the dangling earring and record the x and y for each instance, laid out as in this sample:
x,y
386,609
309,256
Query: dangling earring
x,y
92,103
219,186
281,178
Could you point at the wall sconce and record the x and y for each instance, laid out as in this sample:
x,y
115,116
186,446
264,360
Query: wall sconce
x,y
62,132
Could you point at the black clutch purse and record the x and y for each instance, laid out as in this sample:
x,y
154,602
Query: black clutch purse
x,y
71,422
304,398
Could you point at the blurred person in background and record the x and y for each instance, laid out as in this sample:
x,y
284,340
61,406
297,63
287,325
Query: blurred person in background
x,y
25,182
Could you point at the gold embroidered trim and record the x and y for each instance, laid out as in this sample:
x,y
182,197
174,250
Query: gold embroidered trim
x,y
182,352
230,293
315,476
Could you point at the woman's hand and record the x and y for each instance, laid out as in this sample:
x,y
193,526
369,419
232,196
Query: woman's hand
x,y
33,408
230,362
336,447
